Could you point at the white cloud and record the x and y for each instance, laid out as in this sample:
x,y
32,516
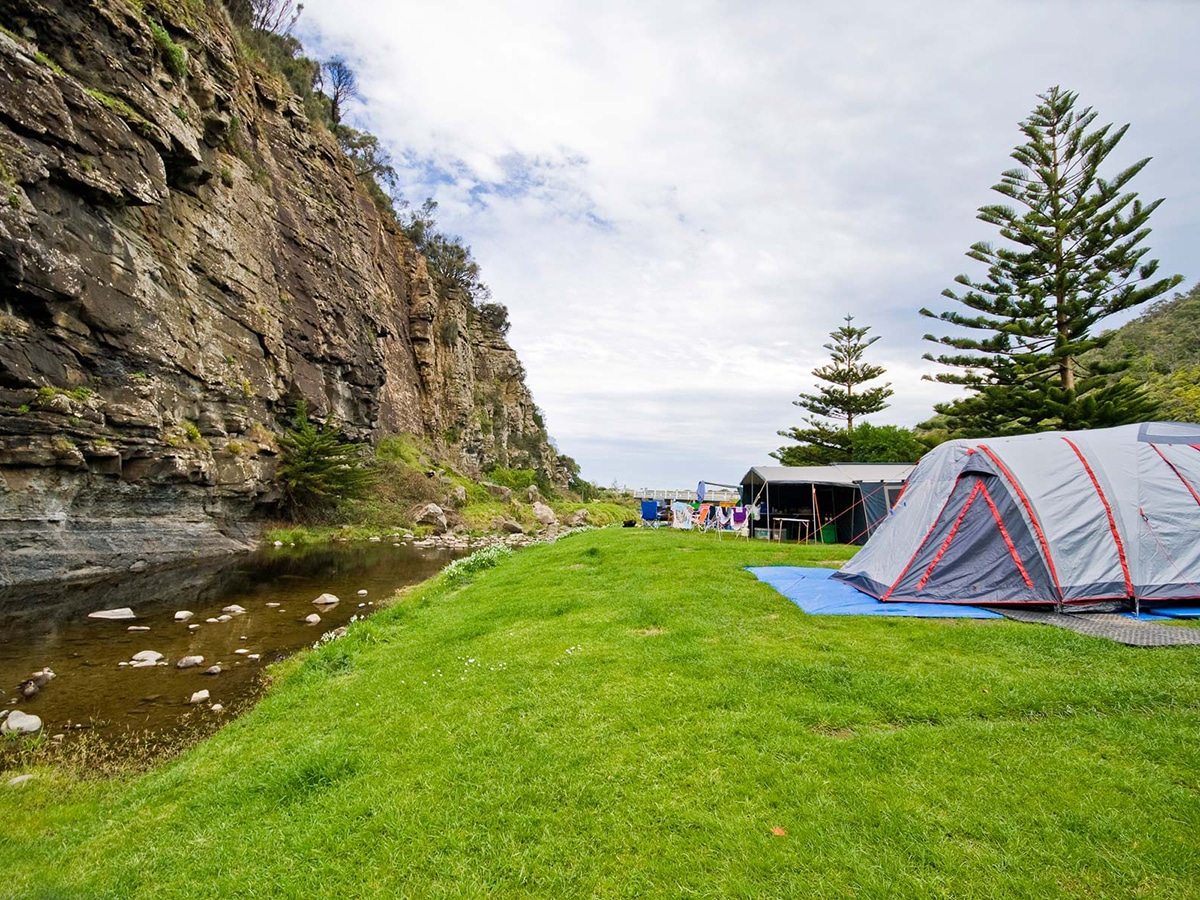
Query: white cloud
x,y
678,202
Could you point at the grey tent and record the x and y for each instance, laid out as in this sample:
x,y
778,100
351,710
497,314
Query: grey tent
x,y
1061,517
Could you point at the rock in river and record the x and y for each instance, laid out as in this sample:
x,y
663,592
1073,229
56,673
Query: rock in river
x,y
327,600
189,662
114,614
183,615
199,697
21,723
312,619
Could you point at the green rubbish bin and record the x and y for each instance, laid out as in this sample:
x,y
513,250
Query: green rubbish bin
x,y
829,533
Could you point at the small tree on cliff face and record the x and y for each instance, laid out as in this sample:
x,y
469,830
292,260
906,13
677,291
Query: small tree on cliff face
x,y
1071,259
841,399
317,469
340,85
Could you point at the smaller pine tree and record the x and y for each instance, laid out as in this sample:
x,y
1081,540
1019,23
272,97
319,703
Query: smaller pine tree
x,y
317,469
821,442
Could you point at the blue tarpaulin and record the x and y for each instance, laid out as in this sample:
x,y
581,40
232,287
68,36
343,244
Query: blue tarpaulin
x,y
814,592
1176,612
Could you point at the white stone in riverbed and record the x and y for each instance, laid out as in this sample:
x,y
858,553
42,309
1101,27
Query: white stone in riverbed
x,y
20,780
211,621
234,610
326,600
212,670
254,656
272,605
189,662
241,650
279,543
216,707
150,656
20,723
138,628
193,626
312,619
361,605
199,697
122,664
375,539
362,593
183,615
114,614
224,617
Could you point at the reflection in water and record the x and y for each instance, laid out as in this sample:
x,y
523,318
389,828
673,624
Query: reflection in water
x,y
49,627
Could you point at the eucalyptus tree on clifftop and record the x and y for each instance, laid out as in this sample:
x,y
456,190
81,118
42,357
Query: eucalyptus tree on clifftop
x,y
1071,257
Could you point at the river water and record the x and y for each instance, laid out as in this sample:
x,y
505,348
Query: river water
x,y
92,691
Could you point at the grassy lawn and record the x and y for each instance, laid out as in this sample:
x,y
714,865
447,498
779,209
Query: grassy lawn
x,y
627,713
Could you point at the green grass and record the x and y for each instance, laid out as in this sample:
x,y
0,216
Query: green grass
x,y
627,713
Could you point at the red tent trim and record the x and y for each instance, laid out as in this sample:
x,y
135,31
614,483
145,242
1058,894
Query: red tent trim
x,y
1191,489
946,543
1112,522
920,546
1012,550
1037,526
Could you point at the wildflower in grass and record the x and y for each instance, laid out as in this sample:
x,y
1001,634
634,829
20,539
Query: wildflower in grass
x,y
478,561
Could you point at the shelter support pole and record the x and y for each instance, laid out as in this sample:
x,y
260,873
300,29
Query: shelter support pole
x,y
817,515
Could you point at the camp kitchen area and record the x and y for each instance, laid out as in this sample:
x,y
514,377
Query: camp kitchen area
x,y
841,503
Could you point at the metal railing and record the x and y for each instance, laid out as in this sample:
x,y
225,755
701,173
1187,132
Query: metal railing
x,y
712,495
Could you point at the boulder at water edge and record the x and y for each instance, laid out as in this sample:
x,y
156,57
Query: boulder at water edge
x,y
431,514
21,723
199,697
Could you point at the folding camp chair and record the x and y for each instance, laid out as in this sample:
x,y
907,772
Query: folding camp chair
x,y
741,522
701,519
650,513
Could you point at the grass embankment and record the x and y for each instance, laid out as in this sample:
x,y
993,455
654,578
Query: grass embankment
x,y
407,478
628,713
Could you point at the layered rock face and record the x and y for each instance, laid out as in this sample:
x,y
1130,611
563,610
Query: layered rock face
x,y
183,257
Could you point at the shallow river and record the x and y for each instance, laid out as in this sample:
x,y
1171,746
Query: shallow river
x,y
49,627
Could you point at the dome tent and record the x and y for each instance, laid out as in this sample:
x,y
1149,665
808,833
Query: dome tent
x,y
1055,518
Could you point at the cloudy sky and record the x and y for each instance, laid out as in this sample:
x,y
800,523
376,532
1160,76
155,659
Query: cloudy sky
x,y
679,201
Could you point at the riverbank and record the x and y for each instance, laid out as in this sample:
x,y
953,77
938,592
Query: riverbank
x,y
628,712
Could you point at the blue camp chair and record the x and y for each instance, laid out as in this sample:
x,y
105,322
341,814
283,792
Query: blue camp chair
x,y
650,513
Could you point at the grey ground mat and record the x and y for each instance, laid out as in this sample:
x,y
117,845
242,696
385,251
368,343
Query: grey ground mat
x,y
1112,626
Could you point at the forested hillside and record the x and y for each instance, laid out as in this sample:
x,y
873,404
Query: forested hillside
x,y
1164,345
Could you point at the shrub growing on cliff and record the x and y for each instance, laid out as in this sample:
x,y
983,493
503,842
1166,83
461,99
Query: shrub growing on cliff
x,y
174,56
317,469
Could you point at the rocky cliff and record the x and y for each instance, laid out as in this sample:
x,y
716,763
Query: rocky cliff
x,y
183,257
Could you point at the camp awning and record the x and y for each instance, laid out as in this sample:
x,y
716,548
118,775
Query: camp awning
x,y
837,474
